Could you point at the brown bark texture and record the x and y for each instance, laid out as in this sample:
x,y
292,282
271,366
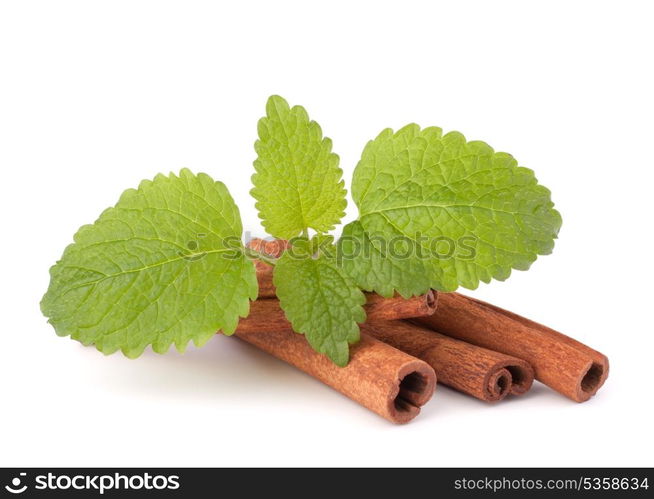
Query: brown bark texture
x,y
560,362
477,371
385,380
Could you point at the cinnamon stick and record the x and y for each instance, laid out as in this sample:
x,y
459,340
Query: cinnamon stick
x,y
482,373
266,315
562,363
265,280
273,247
379,308
385,380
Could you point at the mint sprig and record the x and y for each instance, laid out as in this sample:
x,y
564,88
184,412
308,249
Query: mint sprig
x,y
166,264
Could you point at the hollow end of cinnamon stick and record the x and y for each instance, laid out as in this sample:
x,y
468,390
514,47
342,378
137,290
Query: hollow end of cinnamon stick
x,y
416,385
522,376
511,376
593,379
497,384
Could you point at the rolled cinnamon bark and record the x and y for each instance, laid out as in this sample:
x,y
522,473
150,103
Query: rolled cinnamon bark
x,y
482,373
266,314
385,380
388,309
265,280
273,248
562,363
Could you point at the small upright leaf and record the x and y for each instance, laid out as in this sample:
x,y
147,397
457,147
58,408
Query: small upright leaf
x,y
163,266
320,302
297,183
438,211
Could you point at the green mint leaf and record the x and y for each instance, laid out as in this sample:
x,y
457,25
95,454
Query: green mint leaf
x,y
163,266
378,270
297,183
320,302
441,212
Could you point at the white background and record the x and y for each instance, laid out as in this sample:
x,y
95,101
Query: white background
x,y
95,96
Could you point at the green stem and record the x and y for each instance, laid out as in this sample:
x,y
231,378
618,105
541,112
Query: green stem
x,y
256,255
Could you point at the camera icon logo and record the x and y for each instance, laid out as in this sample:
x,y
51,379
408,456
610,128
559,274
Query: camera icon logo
x,y
15,487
